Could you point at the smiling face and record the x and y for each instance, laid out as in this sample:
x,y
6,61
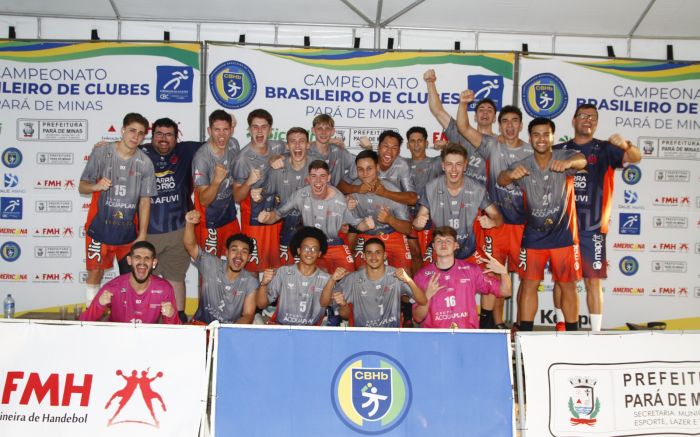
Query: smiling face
x,y
298,145
510,126
237,256
541,138
323,132
318,180
485,115
142,262
388,150
259,131
164,139
220,133
375,255
309,251
454,165
585,122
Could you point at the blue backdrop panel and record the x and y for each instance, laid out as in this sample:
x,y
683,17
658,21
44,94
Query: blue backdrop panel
x,y
342,383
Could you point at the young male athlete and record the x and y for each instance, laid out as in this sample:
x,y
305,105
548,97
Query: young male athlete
x,y
250,172
594,191
213,180
546,179
227,292
322,206
375,292
329,148
451,285
501,152
172,162
121,180
297,288
136,297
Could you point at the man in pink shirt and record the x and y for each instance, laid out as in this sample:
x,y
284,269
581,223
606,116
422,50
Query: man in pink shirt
x,y
136,297
451,285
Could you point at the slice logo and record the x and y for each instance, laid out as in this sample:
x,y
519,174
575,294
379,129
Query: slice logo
x,y
629,265
583,404
174,84
233,84
11,157
486,87
544,95
371,392
631,175
630,223
10,251
131,383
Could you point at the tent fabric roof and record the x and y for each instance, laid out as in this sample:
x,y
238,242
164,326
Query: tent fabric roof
x,y
665,19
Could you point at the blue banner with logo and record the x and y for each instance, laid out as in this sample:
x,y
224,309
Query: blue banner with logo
x,y
313,382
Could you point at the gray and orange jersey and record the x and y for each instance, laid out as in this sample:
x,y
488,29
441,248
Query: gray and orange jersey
x,y
297,296
222,210
369,204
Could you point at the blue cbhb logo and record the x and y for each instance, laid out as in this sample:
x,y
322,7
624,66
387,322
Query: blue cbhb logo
x,y
12,157
544,95
233,84
486,87
10,251
371,392
174,84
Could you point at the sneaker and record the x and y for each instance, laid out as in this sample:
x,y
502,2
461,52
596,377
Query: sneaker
x,y
561,327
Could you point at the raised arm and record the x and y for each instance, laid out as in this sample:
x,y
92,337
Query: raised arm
x,y
472,135
434,102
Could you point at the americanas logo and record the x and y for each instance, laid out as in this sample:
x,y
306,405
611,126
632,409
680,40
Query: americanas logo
x,y
371,392
544,95
486,87
144,383
584,406
233,84
631,174
174,84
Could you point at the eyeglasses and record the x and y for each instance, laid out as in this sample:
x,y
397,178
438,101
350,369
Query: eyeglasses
x,y
582,116
310,249
164,135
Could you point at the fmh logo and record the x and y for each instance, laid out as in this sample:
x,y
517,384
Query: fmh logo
x,y
371,392
131,383
544,95
233,84
584,406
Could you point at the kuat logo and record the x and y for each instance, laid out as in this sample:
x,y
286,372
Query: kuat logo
x,y
544,95
584,406
631,175
233,84
10,251
11,157
629,265
371,392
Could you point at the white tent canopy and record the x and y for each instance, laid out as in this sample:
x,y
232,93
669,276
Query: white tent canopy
x,y
633,28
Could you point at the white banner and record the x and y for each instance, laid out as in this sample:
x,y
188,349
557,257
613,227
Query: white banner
x,y
653,233
56,101
97,379
612,384
366,92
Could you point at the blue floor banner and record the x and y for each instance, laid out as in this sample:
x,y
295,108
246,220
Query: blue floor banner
x,y
308,382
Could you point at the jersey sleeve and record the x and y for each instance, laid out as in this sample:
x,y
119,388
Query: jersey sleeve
x,y
93,168
96,310
615,156
274,289
488,142
485,283
485,201
293,203
148,180
406,180
169,296
241,170
201,170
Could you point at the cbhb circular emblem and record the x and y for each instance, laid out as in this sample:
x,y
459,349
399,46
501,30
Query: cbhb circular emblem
x,y
629,265
371,392
544,95
12,157
10,251
631,174
232,84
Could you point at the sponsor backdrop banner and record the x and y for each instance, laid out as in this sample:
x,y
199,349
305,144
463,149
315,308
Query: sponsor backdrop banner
x,y
344,382
652,242
612,384
57,100
111,380
366,92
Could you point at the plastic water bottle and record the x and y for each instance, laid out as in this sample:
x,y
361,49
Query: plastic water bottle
x,y
9,307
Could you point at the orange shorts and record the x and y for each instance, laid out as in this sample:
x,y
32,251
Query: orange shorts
x,y
213,240
266,253
503,243
564,262
397,251
337,256
100,256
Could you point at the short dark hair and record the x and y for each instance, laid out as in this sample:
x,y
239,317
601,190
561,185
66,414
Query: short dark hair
x,y
510,109
318,163
298,130
392,134
143,244
165,122
220,115
444,231
308,232
374,240
453,149
259,113
417,130
585,106
539,121
243,238
135,117
371,154
486,101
